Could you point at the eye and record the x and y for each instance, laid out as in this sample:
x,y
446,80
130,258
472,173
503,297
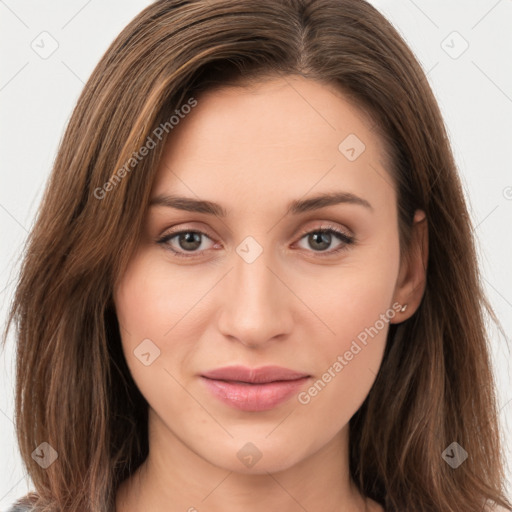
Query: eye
x,y
321,238
189,241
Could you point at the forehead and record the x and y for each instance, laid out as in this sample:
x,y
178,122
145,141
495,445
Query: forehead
x,y
285,135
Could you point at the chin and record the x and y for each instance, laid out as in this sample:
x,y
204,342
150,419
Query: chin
x,y
259,456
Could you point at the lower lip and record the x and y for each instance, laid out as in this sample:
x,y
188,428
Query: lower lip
x,y
254,397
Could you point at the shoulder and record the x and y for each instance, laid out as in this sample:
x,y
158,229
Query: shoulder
x,y
23,504
19,508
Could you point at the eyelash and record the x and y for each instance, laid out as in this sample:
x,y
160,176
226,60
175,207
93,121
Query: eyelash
x,y
346,240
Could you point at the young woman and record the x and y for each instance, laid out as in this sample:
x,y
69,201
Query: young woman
x,y
252,284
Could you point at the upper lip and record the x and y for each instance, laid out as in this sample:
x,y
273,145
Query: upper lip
x,y
260,375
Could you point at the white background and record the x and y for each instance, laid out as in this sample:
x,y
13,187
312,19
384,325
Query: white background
x,y
474,91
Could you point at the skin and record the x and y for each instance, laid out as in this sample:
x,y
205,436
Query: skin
x,y
253,150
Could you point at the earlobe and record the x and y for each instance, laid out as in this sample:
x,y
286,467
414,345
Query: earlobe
x,y
412,276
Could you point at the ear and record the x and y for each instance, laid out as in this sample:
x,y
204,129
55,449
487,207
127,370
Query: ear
x,y
412,276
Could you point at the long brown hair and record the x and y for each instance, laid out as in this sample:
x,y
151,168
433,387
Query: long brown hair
x,y
73,387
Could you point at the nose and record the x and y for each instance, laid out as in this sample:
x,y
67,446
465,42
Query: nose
x,y
256,305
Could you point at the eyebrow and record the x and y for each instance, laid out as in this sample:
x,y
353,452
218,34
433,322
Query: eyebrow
x,y
295,207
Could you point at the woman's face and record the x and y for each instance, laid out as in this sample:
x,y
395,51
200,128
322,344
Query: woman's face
x,y
260,285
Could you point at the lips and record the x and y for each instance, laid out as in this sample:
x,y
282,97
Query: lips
x,y
261,375
254,389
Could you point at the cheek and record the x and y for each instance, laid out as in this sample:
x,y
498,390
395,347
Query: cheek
x,y
147,306
361,290
357,310
150,299
151,306
159,309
